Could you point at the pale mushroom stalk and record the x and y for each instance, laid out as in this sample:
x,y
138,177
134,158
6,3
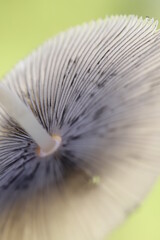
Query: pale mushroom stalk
x,y
26,119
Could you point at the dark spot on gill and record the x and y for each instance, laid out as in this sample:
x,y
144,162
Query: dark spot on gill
x,y
24,184
113,74
92,95
83,113
113,129
99,113
74,120
64,144
63,116
102,73
103,57
73,79
47,168
107,78
101,84
32,174
154,85
68,161
69,153
78,97
49,105
64,76
69,61
11,163
75,60
89,69
69,67
12,180
75,137
56,116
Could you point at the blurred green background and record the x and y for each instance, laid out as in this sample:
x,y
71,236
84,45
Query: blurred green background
x,y
24,25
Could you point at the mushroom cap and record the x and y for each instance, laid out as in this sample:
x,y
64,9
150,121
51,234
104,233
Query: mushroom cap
x,y
97,86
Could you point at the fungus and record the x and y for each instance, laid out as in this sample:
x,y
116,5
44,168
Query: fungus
x,y
80,131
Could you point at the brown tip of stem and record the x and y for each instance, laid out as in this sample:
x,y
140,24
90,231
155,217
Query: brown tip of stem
x,y
56,144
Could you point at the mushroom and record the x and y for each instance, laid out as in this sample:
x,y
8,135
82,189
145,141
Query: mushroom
x,y
80,131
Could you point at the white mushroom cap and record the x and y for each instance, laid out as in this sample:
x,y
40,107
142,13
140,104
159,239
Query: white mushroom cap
x,y
96,90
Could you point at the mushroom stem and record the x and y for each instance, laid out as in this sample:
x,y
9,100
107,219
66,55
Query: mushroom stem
x,y
26,119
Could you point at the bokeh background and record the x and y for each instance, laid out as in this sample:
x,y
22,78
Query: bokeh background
x,y
24,25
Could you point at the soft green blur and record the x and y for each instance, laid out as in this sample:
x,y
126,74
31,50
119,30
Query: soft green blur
x,y
26,24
